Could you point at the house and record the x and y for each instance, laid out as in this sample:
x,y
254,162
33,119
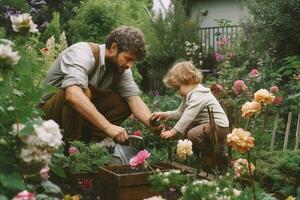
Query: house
x,y
217,18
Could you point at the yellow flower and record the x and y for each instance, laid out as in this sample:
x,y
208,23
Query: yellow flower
x,y
250,108
241,167
264,96
290,198
240,140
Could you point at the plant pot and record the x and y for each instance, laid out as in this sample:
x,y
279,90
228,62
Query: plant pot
x,y
124,183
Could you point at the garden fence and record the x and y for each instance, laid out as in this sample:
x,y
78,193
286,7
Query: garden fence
x,y
287,131
209,36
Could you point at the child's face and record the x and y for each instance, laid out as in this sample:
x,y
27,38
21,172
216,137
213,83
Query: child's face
x,y
184,90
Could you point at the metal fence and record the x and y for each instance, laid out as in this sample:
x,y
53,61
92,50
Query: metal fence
x,y
209,36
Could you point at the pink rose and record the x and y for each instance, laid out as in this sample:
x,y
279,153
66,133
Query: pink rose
x,y
137,133
274,89
44,173
218,56
139,159
278,100
254,73
73,150
25,195
239,87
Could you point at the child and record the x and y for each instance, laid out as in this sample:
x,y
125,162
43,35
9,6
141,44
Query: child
x,y
192,114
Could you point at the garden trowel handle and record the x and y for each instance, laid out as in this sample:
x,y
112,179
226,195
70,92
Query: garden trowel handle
x,y
134,137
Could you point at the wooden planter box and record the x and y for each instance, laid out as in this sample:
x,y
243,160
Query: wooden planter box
x,y
123,183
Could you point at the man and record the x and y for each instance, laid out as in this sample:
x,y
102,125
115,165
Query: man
x,y
103,94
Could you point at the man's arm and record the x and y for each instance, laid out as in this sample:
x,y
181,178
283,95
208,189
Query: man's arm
x,y
139,109
80,102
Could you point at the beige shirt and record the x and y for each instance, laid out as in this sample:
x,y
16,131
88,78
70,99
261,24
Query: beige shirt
x,y
73,66
193,108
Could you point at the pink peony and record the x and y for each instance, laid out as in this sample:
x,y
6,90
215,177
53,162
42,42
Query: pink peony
x,y
25,195
223,41
278,100
254,73
239,87
73,150
139,159
274,89
44,173
218,56
137,133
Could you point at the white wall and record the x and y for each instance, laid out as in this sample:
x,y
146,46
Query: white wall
x,y
232,10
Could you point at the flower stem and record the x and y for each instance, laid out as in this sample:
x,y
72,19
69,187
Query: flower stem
x,y
265,122
248,123
10,87
251,175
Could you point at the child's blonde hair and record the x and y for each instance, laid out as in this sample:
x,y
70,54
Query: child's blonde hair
x,y
183,73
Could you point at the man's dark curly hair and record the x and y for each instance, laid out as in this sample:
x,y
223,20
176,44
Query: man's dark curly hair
x,y
129,39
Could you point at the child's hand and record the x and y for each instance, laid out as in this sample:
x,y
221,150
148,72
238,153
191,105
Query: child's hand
x,y
158,116
168,134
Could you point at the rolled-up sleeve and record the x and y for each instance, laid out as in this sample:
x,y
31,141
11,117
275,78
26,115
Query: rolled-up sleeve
x,y
76,63
127,86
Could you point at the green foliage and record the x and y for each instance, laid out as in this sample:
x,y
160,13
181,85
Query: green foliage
x,y
289,74
282,169
277,23
53,29
21,91
162,181
94,20
88,159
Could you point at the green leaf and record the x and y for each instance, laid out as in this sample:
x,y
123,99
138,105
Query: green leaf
x,y
3,197
13,181
58,170
49,187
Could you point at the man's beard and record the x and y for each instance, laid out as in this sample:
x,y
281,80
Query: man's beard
x,y
112,64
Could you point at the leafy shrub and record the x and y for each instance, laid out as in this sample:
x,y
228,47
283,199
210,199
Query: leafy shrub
x,y
277,24
88,158
93,21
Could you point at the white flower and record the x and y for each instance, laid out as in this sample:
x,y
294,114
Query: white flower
x,y
49,133
50,44
16,128
8,56
63,40
236,192
23,21
183,189
184,148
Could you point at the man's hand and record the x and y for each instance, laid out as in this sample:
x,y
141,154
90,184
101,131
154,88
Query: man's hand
x,y
117,133
168,134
